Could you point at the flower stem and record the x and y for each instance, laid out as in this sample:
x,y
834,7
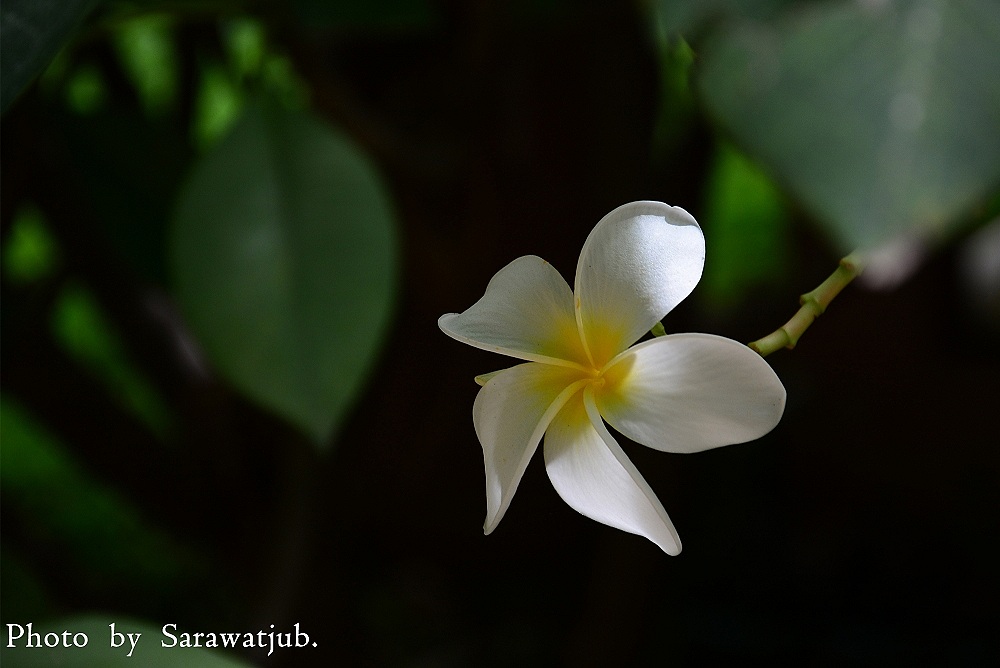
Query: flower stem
x,y
813,305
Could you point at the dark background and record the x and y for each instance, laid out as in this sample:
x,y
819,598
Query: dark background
x,y
861,531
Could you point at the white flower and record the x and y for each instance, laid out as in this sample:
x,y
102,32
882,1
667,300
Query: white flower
x,y
675,393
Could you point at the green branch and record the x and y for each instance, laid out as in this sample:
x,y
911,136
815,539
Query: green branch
x,y
813,305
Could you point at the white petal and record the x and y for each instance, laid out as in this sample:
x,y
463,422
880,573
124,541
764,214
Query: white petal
x,y
640,261
484,378
527,312
691,392
592,474
511,413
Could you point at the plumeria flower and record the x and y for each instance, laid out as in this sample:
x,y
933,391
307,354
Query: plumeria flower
x,y
675,393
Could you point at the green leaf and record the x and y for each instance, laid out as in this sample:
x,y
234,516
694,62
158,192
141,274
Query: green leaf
x,y
677,104
149,57
283,256
882,118
30,252
63,509
746,228
86,90
31,33
98,650
84,332
686,17
217,106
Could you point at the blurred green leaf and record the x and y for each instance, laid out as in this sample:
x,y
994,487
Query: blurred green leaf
x,y
246,44
284,262
686,17
251,64
882,117
31,33
98,651
676,104
30,252
282,82
85,90
64,509
83,331
746,228
217,106
148,55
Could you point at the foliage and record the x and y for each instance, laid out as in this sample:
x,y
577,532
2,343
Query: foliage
x,y
283,258
32,32
880,117
227,227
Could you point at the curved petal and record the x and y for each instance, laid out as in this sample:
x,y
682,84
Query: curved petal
x,y
527,312
511,413
640,261
691,392
592,474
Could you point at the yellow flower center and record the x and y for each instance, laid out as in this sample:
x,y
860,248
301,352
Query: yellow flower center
x,y
610,381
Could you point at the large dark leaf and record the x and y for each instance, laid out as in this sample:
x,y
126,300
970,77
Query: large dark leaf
x,y
882,117
283,256
31,33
